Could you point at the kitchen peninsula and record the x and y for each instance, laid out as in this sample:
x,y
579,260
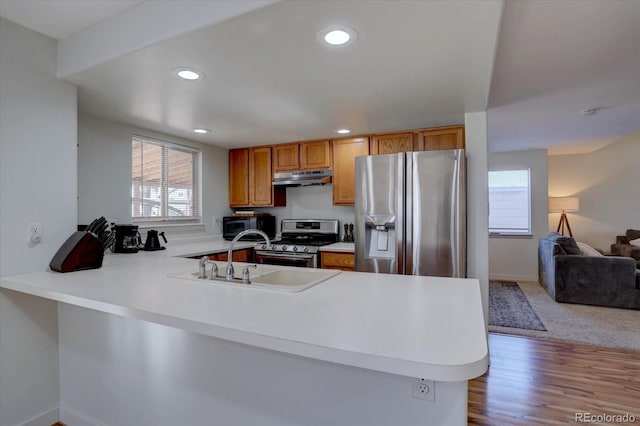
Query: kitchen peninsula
x,y
139,347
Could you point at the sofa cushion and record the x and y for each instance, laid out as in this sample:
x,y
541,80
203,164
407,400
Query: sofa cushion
x,y
632,234
587,250
568,244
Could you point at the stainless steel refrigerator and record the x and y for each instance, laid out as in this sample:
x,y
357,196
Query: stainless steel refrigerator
x,y
410,213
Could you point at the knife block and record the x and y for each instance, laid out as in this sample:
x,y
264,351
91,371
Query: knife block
x,y
81,251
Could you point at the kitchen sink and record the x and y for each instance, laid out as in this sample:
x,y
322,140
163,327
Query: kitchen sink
x,y
288,280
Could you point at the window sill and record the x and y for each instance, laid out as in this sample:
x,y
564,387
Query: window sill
x,y
189,228
513,236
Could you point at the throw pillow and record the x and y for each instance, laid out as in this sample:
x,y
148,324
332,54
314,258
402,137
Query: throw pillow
x,y
568,244
587,250
635,242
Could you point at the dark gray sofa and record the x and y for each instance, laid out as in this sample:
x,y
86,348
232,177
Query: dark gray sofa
x,y
571,277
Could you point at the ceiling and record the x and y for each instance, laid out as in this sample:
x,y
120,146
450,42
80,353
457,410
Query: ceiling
x,y
533,64
61,18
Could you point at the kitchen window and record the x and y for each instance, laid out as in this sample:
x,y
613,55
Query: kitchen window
x,y
165,182
510,202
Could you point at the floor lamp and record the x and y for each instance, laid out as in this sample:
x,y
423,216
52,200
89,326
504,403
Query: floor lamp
x,y
564,205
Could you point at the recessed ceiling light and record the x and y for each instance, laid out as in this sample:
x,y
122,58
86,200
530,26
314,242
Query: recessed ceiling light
x,y
343,131
202,131
186,73
337,35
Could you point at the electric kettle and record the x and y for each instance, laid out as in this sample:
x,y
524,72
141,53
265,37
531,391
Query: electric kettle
x,y
152,242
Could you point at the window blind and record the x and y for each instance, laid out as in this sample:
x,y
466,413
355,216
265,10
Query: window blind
x,y
165,181
509,202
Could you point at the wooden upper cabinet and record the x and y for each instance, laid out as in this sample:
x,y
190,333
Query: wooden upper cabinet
x,y
451,137
344,175
251,169
238,177
260,188
250,179
302,156
315,155
286,158
392,143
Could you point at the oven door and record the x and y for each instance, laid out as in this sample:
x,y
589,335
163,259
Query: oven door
x,y
287,259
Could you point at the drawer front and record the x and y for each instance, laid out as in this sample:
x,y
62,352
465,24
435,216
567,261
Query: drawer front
x,y
338,260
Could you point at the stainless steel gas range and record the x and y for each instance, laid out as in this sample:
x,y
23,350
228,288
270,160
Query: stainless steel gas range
x,y
299,243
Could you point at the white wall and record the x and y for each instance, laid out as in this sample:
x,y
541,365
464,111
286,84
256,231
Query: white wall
x,y
104,173
516,258
478,203
123,371
38,134
607,183
312,202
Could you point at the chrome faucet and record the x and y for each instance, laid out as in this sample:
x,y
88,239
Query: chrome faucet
x,y
202,268
230,271
214,271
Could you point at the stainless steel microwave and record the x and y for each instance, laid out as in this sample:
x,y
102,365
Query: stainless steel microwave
x,y
233,225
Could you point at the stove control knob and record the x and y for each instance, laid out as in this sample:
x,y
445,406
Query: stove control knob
x,y
284,248
306,249
273,248
295,248
264,246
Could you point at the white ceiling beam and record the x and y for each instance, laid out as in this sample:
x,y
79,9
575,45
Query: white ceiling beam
x,y
141,26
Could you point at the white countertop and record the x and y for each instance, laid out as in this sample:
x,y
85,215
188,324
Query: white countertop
x,y
407,325
340,247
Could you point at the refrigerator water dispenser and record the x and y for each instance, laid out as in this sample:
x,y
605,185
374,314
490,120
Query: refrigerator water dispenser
x,y
380,237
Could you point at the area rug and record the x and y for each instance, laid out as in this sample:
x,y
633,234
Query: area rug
x,y
596,325
509,307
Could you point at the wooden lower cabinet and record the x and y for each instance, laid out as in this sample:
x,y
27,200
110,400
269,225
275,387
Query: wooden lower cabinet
x,y
242,255
338,260
345,152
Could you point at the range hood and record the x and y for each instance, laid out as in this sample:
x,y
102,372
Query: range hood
x,y
304,178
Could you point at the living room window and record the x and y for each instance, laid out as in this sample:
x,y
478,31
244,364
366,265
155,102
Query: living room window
x,y
510,202
165,182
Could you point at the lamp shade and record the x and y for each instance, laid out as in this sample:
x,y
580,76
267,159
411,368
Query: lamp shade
x,y
564,204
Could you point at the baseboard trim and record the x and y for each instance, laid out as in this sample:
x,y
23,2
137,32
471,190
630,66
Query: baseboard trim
x,y
513,277
73,417
45,419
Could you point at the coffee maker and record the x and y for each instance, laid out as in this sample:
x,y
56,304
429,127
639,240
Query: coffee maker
x,y
127,239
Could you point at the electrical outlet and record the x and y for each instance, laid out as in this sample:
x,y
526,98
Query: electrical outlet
x,y
35,233
35,228
424,389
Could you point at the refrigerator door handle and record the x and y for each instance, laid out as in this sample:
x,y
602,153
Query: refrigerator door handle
x,y
455,219
458,216
406,266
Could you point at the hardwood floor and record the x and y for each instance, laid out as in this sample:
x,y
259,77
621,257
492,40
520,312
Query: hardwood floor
x,y
532,381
